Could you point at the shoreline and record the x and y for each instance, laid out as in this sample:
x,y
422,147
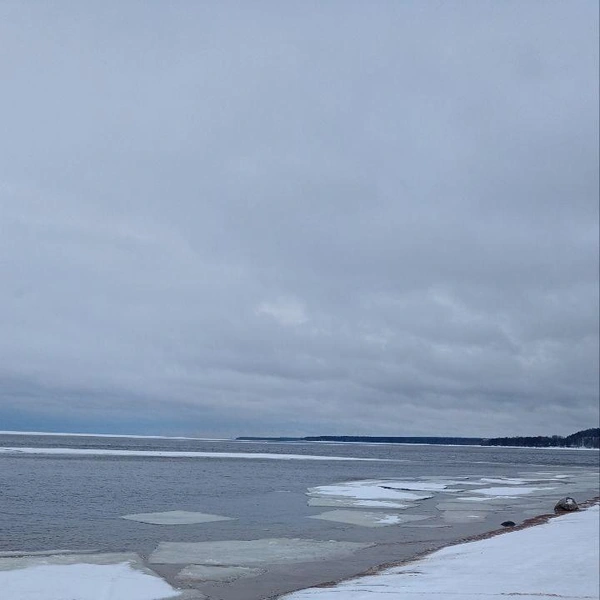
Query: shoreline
x,y
396,567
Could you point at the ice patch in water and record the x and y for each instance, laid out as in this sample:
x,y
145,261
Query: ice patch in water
x,y
105,558
365,490
175,517
472,499
451,516
198,573
510,491
249,553
505,480
367,519
422,486
350,503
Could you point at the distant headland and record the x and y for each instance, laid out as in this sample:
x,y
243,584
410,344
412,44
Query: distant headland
x,y
587,438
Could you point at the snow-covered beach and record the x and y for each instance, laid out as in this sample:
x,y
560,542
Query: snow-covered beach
x,y
557,559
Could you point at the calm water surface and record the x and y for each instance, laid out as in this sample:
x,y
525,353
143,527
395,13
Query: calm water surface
x,y
73,502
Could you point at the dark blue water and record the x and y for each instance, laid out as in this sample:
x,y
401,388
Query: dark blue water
x,y
74,502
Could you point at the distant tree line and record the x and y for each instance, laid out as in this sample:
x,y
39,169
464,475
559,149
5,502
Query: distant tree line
x,y
588,438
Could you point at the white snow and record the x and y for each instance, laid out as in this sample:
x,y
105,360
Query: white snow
x,y
558,559
175,517
170,454
83,582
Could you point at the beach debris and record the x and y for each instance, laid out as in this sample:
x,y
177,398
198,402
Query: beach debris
x,y
508,524
567,504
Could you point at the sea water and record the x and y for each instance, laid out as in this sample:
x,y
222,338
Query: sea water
x,y
76,502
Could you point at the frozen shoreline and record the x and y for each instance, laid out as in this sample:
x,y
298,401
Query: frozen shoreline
x,y
558,558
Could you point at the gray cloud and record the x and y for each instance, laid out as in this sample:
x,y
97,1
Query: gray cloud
x,y
300,218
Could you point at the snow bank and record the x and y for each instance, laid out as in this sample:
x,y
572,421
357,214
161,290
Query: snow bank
x,y
557,559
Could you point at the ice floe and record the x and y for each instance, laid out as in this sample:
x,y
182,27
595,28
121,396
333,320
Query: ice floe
x,y
367,519
349,503
518,563
510,491
175,517
249,553
200,573
420,486
364,490
169,454
456,516
111,576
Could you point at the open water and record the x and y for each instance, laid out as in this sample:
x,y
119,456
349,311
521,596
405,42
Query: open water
x,y
76,502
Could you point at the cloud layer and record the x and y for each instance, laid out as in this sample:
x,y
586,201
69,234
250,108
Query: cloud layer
x,y
293,218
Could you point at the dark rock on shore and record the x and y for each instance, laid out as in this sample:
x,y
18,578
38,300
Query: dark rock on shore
x,y
566,505
508,524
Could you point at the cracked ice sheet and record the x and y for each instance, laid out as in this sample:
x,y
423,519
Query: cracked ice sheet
x,y
115,576
365,490
168,454
517,563
250,553
367,519
175,517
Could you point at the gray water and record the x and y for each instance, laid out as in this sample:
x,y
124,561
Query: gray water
x,y
76,502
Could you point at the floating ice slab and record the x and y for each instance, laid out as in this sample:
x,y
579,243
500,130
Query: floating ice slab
x,y
422,486
251,553
169,454
458,516
516,564
198,573
105,558
175,517
351,503
510,491
84,577
367,519
365,490
472,499
505,480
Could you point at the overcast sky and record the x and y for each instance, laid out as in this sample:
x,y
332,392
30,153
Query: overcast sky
x,y
299,218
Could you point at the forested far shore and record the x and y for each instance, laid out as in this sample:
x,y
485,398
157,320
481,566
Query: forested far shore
x,y
588,438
